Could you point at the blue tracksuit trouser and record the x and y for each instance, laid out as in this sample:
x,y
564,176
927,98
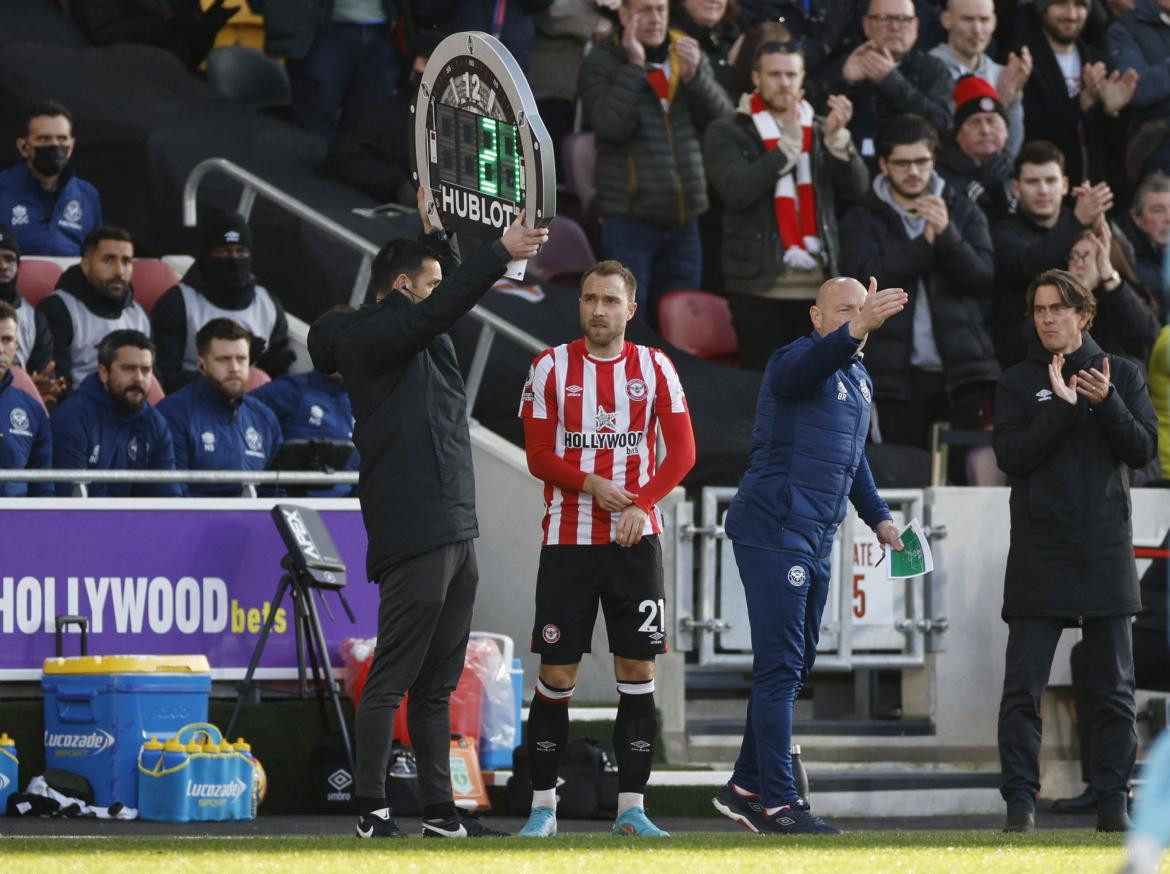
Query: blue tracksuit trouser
x,y
786,594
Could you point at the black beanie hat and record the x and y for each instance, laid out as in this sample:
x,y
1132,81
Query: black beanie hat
x,y
222,229
8,240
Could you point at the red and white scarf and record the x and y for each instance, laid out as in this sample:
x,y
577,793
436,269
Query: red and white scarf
x,y
794,198
659,78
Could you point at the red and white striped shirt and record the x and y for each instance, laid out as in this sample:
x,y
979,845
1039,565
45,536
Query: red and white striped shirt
x,y
607,417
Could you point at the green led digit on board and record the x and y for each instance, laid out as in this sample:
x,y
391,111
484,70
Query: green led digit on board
x,y
488,156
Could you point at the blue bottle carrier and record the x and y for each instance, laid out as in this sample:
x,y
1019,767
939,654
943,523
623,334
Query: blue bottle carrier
x,y
196,776
99,710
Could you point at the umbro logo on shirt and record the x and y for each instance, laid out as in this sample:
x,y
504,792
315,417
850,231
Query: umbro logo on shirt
x,y
1044,395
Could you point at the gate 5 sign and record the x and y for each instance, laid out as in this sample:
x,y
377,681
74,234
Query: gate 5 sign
x,y
481,152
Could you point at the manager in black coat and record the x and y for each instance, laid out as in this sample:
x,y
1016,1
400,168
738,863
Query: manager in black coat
x,y
417,492
1068,421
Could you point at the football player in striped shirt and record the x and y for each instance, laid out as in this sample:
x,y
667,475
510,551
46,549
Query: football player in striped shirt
x,y
592,411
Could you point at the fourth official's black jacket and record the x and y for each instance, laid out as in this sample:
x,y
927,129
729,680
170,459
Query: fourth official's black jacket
x,y
1071,553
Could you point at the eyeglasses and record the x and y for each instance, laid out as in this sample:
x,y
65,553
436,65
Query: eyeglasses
x,y
902,164
887,20
1075,257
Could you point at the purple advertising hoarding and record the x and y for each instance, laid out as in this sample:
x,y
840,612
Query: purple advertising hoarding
x,y
165,577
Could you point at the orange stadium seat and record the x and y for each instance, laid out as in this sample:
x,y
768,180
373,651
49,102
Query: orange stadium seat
x,y
151,278
699,322
24,382
565,256
37,279
257,378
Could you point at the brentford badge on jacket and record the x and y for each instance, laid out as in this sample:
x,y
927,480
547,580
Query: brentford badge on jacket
x,y
481,153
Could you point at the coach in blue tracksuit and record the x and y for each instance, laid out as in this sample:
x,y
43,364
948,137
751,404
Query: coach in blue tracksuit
x,y
807,458
108,425
215,425
312,406
49,207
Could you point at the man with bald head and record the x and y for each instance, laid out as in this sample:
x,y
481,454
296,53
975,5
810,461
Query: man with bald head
x,y
887,75
807,457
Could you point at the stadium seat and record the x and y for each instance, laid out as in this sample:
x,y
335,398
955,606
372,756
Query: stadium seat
x,y
257,378
151,279
579,156
24,382
156,393
982,469
37,279
565,256
699,322
249,76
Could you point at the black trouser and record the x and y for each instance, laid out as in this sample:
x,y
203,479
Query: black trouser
x,y
424,618
908,422
1031,644
763,324
1151,670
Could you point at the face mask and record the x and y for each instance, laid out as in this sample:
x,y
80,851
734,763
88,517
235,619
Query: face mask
x,y
229,274
50,160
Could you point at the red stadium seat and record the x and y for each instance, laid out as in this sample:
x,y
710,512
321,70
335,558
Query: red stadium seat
x,y
156,393
699,322
150,279
37,279
565,256
23,381
257,378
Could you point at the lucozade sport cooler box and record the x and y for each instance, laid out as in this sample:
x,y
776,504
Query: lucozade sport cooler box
x,y
99,710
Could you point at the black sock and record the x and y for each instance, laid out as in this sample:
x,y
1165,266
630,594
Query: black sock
x,y
445,810
548,732
633,735
366,806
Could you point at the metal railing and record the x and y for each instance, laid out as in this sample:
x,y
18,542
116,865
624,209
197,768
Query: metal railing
x,y
254,186
248,479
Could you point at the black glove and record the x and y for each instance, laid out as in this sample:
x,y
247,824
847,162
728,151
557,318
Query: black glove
x,y
995,171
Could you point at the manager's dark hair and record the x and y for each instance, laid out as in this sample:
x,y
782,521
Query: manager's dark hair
x,y
115,340
220,329
1072,292
396,258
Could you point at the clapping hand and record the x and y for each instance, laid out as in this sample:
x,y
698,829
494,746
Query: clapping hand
x,y
1067,393
840,112
1117,91
689,55
1093,384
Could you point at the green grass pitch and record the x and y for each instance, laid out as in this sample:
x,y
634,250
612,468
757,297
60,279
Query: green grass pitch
x,y
931,852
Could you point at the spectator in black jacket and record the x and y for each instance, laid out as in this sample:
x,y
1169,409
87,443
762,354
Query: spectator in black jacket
x,y
219,285
712,24
1125,323
1037,238
887,75
758,164
935,361
1147,228
417,493
1068,422
977,162
1071,99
